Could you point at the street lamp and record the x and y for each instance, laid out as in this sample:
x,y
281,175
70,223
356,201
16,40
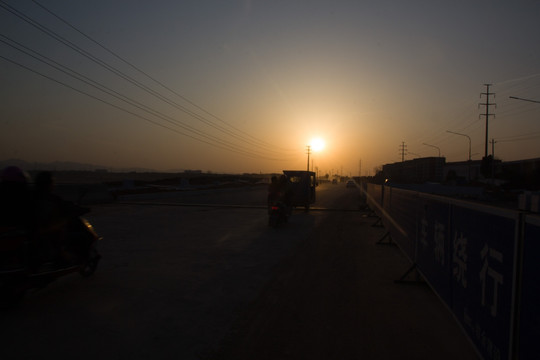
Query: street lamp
x,y
467,136
433,146
529,100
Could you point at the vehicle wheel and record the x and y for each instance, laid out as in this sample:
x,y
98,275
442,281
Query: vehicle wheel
x,y
273,221
90,266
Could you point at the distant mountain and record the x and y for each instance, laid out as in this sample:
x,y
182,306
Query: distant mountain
x,y
65,166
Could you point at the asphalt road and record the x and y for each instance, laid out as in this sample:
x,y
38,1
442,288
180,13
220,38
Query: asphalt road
x,y
213,281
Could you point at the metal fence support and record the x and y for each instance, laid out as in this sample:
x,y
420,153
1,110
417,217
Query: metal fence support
x,y
388,239
378,223
402,279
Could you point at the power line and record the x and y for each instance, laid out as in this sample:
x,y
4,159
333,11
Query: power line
x,y
76,75
131,112
147,75
122,75
528,136
521,139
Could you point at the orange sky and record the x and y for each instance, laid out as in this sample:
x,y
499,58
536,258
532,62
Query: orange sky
x,y
244,86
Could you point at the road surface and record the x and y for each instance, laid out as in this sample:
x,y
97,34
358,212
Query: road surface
x,y
187,275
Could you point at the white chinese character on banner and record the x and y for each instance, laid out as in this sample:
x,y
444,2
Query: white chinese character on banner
x,y
460,259
439,242
490,253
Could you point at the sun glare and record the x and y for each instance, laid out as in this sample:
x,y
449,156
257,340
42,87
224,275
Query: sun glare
x,y
317,144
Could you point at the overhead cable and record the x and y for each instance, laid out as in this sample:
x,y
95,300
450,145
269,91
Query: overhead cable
x,y
128,111
76,75
119,73
149,76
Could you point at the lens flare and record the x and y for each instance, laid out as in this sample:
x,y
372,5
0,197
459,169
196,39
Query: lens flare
x,y
317,144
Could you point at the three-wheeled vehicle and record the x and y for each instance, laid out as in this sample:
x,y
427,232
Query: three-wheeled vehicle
x,y
302,185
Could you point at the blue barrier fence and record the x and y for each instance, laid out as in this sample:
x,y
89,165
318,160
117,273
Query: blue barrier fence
x,y
529,323
480,260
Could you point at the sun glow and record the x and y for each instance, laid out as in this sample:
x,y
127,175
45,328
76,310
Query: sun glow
x,y
317,144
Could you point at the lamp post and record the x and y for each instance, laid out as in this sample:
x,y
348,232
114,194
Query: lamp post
x,y
529,100
468,137
433,146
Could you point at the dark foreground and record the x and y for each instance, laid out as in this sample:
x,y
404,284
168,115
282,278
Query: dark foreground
x,y
184,281
336,298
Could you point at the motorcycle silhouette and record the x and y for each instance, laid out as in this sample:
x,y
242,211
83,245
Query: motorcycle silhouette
x,y
31,261
278,212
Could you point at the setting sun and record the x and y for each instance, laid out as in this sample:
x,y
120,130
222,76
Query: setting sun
x,y
317,144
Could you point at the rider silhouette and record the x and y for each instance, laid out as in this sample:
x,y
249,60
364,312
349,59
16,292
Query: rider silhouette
x,y
14,198
52,215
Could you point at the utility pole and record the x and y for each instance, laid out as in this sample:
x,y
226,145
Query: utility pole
x,y
360,167
493,160
487,104
402,150
309,153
